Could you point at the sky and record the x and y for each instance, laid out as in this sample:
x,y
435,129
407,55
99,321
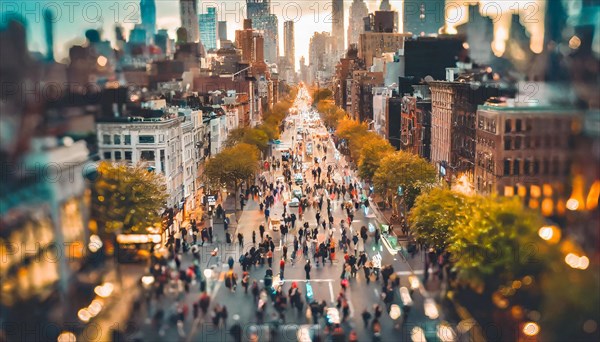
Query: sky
x,y
74,17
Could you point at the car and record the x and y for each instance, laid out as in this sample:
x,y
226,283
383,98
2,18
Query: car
x,y
297,192
274,223
298,179
294,202
333,316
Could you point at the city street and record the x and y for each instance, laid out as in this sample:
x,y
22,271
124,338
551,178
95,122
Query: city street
x,y
325,279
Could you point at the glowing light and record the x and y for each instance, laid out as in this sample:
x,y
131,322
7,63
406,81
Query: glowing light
x,y
102,61
535,191
590,326
592,197
84,315
431,309
95,243
575,261
521,191
547,190
574,42
527,280
104,290
147,280
466,46
395,312
584,262
533,203
516,284
550,234
208,273
572,204
66,336
95,307
531,329
445,333
417,335
509,191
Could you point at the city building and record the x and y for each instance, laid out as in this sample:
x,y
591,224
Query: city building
x,y
159,140
259,11
415,132
453,118
208,28
361,92
375,44
222,30
524,149
188,12
337,29
430,56
358,11
288,43
320,57
148,14
423,17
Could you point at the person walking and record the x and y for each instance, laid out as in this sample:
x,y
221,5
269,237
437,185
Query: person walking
x,y
240,239
254,237
281,268
366,316
245,281
307,268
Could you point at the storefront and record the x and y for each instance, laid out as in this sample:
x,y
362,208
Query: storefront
x,y
137,247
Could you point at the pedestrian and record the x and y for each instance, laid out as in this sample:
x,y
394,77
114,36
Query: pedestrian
x,y
230,262
240,239
245,281
210,234
254,237
228,237
255,291
270,258
281,267
307,268
284,252
366,316
261,229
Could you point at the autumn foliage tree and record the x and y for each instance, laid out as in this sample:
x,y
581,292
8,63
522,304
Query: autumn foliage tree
x,y
127,198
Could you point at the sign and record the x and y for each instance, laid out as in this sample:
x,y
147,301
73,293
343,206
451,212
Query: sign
x,y
400,190
211,200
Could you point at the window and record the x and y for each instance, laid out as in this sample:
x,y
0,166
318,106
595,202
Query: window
x,y
528,125
536,167
507,167
107,156
147,155
146,139
518,124
507,126
517,143
117,155
127,139
161,138
555,167
127,155
507,143
546,167
517,167
117,139
106,139
527,142
527,167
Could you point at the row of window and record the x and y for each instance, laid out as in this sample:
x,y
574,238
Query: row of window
x,y
116,139
535,167
486,124
527,142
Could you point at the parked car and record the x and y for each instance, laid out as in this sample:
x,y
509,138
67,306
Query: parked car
x,y
298,179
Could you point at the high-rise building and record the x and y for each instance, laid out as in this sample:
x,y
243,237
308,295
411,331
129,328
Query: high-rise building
x,y
222,30
208,28
288,43
356,26
338,25
259,11
49,30
423,17
148,13
138,35
385,5
189,19
320,57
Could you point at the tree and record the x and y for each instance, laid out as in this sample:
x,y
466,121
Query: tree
x,y
349,128
434,215
372,152
253,136
233,165
406,170
127,198
330,113
321,94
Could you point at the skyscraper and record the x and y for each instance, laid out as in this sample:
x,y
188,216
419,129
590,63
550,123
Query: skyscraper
x,y
208,28
49,30
222,30
148,13
288,43
189,19
356,26
338,25
259,11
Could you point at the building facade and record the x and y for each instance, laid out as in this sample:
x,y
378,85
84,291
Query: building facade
x,y
208,28
524,150
148,14
188,12
358,11
337,29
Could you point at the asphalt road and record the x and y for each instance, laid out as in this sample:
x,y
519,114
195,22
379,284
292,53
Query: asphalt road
x,y
325,282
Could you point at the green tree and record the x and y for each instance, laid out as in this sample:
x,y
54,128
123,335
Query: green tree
x,y
372,151
233,165
406,170
127,198
434,215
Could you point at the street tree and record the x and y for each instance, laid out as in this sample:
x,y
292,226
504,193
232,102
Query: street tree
x,y
373,149
321,94
233,165
407,172
434,215
330,113
127,198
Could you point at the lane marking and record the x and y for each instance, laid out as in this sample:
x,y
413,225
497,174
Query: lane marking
x,y
331,292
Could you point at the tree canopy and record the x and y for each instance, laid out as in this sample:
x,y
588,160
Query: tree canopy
x,y
127,198
233,164
372,151
330,113
406,170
